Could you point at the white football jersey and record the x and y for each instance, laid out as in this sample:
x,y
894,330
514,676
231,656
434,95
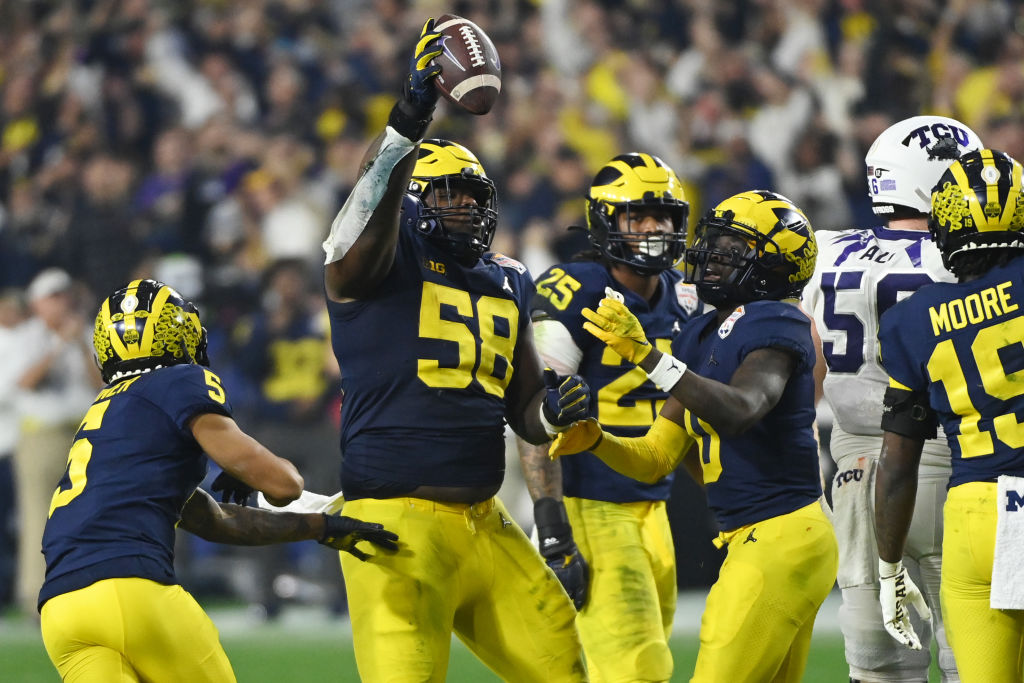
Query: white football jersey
x,y
860,274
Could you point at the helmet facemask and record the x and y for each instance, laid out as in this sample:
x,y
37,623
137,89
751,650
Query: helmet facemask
x,y
464,229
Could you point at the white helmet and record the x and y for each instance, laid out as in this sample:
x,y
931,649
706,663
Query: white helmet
x,y
907,159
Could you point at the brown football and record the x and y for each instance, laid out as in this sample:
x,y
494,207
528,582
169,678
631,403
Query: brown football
x,y
470,69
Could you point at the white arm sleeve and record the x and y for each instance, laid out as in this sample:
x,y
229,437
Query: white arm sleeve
x,y
350,222
556,347
306,502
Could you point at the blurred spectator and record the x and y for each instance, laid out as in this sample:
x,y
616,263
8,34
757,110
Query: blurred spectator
x,y
12,314
56,383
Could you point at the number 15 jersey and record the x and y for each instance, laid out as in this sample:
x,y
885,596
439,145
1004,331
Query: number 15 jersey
x,y
859,275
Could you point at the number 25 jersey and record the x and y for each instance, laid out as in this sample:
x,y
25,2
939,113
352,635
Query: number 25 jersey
x,y
132,466
859,275
425,363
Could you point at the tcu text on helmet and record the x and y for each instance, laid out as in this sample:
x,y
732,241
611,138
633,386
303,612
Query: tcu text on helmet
x,y
936,130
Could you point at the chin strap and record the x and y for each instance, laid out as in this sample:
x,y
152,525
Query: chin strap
x,y
350,222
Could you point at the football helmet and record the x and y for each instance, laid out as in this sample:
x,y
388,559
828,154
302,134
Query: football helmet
x,y
146,325
978,203
754,245
443,170
628,183
906,160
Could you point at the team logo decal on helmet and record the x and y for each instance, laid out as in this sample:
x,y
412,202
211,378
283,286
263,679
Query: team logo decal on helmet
x,y
978,204
146,325
631,184
906,160
764,238
443,171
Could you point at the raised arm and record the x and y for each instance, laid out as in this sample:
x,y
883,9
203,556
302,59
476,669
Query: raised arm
x,y
733,408
360,248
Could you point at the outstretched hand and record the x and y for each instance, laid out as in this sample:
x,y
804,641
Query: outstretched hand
x,y
581,436
897,594
616,326
342,533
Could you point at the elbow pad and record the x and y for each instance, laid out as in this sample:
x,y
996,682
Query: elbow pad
x,y
908,414
647,458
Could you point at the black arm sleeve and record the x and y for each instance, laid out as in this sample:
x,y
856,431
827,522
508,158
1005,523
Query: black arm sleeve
x,y
908,413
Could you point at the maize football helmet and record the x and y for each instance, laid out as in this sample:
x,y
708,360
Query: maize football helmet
x,y
443,170
631,183
906,160
978,203
144,326
754,245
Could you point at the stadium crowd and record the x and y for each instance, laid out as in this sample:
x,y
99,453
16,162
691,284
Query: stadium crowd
x,y
209,144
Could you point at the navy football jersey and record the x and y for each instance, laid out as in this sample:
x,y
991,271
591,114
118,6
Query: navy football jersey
x,y
132,466
626,401
962,342
772,468
425,363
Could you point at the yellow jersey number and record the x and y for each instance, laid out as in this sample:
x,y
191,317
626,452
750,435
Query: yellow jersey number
x,y
708,446
613,407
944,366
486,309
558,288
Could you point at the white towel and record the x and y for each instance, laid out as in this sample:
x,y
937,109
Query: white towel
x,y
1007,568
307,502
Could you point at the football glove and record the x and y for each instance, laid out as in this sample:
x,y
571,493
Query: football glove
x,y
232,490
419,90
617,327
567,400
342,533
560,551
897,593
581,436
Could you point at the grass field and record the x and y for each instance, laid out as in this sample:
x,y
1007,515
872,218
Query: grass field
x,y
306,646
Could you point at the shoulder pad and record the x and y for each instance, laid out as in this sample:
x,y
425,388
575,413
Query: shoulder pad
x,y
507,262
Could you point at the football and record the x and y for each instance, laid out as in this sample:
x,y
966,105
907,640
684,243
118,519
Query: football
x,y
470,69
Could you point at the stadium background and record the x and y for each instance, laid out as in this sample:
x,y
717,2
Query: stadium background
x,y
209,143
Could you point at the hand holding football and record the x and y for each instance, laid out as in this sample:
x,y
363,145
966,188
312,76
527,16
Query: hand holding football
x,y
470,69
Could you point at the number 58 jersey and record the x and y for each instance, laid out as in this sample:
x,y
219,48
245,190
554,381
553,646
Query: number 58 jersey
x,y
860,274
425,364
132,466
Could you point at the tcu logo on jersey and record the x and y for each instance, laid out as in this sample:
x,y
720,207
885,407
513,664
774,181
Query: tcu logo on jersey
x,y
926,135
848,476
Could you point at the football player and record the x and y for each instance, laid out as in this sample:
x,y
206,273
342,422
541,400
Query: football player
x,y
739,415
111,607
860,274
636,222
953,355
433,336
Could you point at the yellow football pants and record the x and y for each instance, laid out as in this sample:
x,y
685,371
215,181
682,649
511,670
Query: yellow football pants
x,y
627,620
988,643
463,569
130,630
759,615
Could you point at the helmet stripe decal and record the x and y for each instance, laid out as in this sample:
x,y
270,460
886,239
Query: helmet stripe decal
x,y
149,331
132,349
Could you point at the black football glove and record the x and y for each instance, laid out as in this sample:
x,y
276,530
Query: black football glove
x,y
560,551
232,490
342,533
567,400
411,115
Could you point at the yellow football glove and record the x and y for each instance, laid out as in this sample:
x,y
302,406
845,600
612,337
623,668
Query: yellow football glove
x,y
617,327
581,436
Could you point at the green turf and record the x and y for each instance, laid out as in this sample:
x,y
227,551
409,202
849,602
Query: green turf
x,y
279,654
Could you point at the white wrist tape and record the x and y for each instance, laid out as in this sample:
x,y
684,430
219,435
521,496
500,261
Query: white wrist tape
x,y
350,222
667,372
551,429
887,570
